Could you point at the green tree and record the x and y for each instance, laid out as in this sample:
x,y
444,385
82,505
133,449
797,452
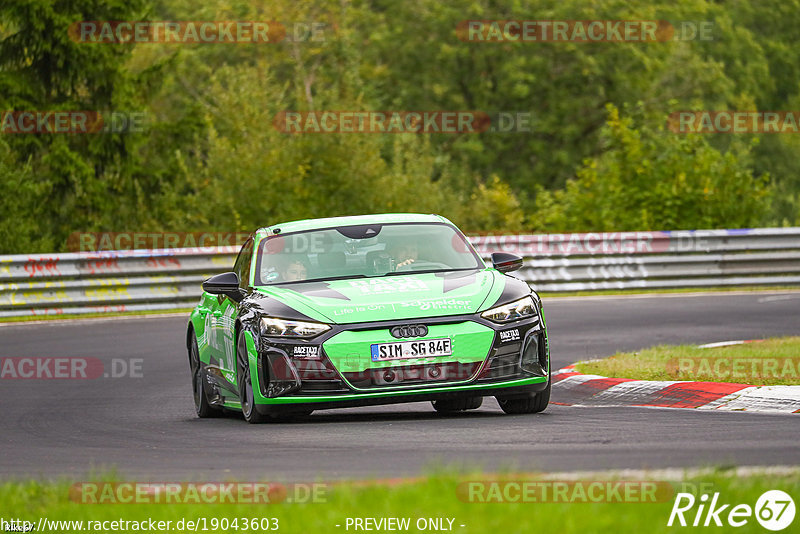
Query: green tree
x,y
88,181
648,180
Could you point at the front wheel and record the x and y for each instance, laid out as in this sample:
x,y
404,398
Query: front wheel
x,y
533,404
246,397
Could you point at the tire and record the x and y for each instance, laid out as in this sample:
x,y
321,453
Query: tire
x,y
457,405
533,404
201,405
246,397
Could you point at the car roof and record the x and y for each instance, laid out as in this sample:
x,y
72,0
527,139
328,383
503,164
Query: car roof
x,y
329,222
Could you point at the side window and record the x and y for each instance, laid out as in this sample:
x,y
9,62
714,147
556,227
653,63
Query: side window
x,y
242,265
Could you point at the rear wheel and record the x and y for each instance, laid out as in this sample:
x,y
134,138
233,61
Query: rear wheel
x,y
533,404
457,405
246,397
201,404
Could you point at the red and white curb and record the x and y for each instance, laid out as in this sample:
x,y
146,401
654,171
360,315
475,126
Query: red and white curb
x,y
572,388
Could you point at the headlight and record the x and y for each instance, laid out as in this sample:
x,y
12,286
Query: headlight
x,y
519,309
271,326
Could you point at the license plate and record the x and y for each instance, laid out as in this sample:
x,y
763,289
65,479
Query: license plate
x,y
399,350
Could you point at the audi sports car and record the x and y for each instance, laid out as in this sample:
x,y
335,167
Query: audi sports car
x,y
356,311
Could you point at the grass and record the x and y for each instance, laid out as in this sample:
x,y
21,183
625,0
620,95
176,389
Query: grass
x,y
774,361
434,496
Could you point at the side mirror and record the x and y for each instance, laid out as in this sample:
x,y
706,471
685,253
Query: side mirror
x,y
506,262
224,284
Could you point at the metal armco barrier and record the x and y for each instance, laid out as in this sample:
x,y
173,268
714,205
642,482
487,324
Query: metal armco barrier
x,y
113,281
136,280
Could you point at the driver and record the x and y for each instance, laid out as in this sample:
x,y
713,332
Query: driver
x,y
404,253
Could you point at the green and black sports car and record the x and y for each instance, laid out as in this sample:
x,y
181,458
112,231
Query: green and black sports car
x,y
375,309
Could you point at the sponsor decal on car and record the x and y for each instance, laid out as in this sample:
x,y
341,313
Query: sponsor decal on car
x,y
305,352
345,310
438,304
396,284
509,335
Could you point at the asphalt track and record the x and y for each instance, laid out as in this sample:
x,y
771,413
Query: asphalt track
x,y
145,428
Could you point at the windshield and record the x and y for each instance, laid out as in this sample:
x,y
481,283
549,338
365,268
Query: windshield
x,y
363,251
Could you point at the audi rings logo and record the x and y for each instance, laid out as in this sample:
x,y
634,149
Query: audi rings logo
x,y
413,330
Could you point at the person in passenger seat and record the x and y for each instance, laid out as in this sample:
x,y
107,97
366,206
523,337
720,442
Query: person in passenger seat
x,y
294,271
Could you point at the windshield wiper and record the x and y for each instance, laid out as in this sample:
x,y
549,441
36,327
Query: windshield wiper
x,y
346,277
428,271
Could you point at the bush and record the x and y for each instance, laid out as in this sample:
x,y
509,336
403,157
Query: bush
x,y
647,178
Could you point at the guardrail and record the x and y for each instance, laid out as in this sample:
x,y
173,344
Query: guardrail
x,y
136,280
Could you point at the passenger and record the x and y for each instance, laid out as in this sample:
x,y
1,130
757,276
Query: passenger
x,y
295,271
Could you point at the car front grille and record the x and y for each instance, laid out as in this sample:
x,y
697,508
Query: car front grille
x,y
407,375
503,364
318,377
322,387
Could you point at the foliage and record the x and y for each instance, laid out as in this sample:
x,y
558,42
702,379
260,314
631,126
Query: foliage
x,y
596,158
647,180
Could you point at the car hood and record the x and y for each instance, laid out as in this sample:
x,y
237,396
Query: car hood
x,y
391,297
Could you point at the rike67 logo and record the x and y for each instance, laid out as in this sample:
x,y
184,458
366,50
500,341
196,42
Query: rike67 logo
x,y
774,510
